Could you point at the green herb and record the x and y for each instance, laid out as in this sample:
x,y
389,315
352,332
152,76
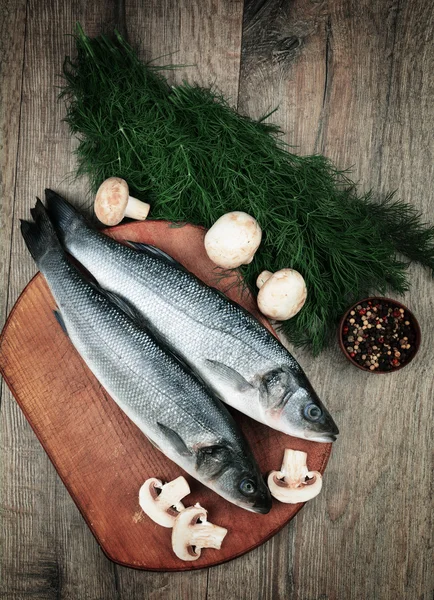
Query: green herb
x,y
194,158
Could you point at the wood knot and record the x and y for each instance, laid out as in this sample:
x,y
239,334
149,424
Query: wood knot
x,y
286,48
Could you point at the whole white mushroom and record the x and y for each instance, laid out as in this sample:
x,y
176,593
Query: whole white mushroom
x,y
113,202
282,294
233,240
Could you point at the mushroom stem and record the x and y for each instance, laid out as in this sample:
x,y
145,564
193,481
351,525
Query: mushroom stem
x,y
294,466
136,209
294,482
207,535
262,278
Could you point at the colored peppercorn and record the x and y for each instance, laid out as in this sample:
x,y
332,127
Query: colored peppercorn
x,y
379,336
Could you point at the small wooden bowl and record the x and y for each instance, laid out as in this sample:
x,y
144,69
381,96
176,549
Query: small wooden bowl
x,y
395,304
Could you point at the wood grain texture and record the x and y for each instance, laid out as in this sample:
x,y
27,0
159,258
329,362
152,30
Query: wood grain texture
x,y
46,548
101,456
357,88
351,79
35,504
12,35
204,36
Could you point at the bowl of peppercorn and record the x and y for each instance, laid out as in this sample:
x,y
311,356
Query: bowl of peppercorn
x,y
379,335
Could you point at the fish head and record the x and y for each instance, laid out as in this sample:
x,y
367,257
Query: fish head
x,y
291,405
233,474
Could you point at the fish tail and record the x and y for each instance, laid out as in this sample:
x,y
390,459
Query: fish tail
x,y
39,236
62,214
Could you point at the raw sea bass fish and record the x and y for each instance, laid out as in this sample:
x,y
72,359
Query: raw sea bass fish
x,y
234,354
172,408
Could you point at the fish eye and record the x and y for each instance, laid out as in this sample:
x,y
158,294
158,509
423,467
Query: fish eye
x,y
247,487
312,412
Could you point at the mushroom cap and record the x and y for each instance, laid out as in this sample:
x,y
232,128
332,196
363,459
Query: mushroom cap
x,y
111,201
233,240
282,295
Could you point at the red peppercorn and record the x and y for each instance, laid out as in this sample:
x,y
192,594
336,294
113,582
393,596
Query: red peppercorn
x,y
362,311
352,354
381,340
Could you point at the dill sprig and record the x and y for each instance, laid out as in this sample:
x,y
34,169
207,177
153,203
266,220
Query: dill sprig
x,y
191,155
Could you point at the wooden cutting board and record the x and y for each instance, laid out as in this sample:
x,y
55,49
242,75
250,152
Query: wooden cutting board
x,y
100,455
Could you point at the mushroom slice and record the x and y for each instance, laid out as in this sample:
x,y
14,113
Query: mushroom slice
x,y
162,503
192,532
294,482
113,202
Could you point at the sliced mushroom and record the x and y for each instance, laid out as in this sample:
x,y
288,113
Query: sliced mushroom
x,y
294,482
192,532
113,203
162,503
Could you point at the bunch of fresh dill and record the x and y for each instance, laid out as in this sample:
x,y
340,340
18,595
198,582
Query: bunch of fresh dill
x,y
193,157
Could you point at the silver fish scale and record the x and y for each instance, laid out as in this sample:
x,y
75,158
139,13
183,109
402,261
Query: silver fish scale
x,y
191,317
147,382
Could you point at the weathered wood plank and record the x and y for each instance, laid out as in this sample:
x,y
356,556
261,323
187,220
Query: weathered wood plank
x,y
353,80
263,574
47,540
203,36
12,37
284,66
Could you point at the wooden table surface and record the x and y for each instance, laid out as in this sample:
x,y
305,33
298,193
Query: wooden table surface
x,y
352,80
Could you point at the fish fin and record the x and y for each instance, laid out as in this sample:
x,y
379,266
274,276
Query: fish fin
x,y
175,439
62,214
153,251
229,375
39,236
60,320
36,210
